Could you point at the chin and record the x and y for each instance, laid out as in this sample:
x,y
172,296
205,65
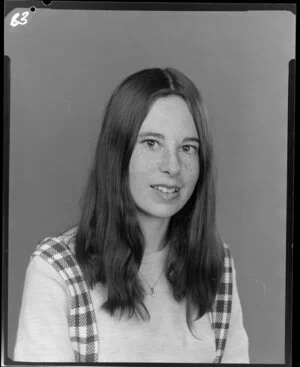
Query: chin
x,y
162,213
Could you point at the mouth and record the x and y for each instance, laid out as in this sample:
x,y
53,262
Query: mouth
x,y
166,189
166,193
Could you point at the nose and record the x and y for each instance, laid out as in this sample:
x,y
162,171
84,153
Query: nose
x,y
170,163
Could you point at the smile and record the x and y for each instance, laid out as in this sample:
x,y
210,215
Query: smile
x,y
166,193
169,190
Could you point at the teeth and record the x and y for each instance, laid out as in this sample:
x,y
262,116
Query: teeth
x,y
164,189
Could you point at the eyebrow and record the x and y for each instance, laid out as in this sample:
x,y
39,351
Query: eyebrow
x,y
161,136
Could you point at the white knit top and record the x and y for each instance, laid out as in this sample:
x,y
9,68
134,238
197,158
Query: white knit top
x,y
43,334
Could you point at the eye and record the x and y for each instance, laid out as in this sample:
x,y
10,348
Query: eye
x,y
150,143
189,149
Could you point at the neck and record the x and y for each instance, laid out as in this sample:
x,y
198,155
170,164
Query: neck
x,y
154,231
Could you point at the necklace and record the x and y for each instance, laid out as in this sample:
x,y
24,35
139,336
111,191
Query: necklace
x,y
152,286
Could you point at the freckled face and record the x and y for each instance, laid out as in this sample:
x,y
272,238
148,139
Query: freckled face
x,y
164,166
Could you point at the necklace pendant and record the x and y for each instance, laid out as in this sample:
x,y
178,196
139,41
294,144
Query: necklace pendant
x,y
152,292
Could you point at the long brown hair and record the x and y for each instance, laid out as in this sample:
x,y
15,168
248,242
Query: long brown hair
x,y
109,242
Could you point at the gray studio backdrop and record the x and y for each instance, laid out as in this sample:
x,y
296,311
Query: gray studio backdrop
x,y
65,64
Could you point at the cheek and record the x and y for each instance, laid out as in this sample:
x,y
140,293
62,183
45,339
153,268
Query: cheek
x,y
190,172
141,163
140,169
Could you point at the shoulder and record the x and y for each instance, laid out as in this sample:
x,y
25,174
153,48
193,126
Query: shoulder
x,y
59,252
42,278
64,242
228,259
68,238
229,268
227,249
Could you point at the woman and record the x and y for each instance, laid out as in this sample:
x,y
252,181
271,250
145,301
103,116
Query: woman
x,y
144,277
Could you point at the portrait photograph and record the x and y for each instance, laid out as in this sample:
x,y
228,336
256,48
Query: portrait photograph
x,y
148,183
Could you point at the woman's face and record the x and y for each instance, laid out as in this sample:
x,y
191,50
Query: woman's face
x,y
164,166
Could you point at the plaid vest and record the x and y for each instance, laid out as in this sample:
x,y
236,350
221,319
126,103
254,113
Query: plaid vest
x,y
59,252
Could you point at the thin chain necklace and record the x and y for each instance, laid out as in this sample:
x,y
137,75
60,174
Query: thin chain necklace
x,y
152,286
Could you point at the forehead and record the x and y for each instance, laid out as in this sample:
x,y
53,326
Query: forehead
x,y
170,113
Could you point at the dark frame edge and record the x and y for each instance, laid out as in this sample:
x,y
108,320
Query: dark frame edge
x,y
290,212
5,201
11,5
163,6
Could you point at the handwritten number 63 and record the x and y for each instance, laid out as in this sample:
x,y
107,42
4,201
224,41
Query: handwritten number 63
x,y
23,20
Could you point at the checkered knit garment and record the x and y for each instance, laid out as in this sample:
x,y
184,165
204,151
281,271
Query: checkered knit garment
x,y
221,312
82,320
